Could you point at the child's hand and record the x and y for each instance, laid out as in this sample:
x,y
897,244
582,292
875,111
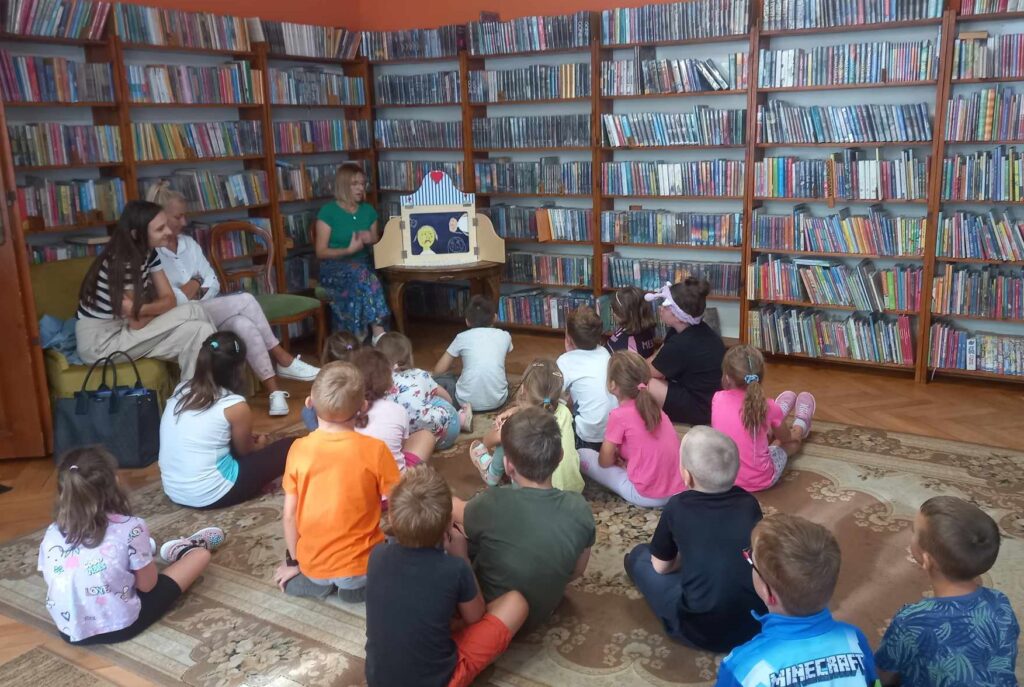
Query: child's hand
x,y
284,573
455,542
260,440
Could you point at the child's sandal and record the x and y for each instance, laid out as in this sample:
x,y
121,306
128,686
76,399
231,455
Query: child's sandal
x,y
482,460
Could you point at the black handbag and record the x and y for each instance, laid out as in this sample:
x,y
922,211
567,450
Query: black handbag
x,y
123,419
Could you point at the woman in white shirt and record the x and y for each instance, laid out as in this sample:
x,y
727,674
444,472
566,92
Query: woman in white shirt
x,y
193,279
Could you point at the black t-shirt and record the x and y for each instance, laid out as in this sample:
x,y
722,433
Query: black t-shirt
x,y
641,342
411,596
691,361
710,531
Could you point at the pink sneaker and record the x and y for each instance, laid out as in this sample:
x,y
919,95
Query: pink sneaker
x,y
785,400
805,406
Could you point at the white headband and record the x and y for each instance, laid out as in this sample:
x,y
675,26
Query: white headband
x,y
665,294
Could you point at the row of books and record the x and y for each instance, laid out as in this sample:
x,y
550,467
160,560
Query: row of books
x,y
976,55
78,19
990,292
548,176
321,136
952,348
206,190
704,126
621,271
995,235
236,244
973,7
175,28
991,114
871,338
667,228
677,21
435,88
851,63
550,131
996,174
51,143
45,203
548,268
849,175
314,86
234,83
298,273
407,175
779,15
305,182
433,300
781,122
693,178
534,82
306,40
620,77
67,249
37,79
528,34
538,307
417,133
830,283
411,44
540,223
876,233
298,226
155,141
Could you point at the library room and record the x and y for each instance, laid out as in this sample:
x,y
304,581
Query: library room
x,y
296,294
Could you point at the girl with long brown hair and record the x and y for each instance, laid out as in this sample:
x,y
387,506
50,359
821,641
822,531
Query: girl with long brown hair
x,y
97,558
639,457
757,424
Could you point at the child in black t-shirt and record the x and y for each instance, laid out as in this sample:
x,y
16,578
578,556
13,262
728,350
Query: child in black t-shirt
x,y
693,574
414,589
634,323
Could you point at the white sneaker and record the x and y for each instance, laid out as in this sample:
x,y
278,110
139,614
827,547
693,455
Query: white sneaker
x,y
279,403
302,371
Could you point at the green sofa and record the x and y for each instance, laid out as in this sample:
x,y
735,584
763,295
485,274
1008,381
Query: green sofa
x,y
55,290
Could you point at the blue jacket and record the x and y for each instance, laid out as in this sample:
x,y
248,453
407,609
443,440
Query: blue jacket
x,y
798,652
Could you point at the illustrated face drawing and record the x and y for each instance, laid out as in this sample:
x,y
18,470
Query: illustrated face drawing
x,y
426,236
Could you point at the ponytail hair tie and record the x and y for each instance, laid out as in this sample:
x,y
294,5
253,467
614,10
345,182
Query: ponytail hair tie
x,y
348,347
750,379
547,400
73,467
215,345
641,387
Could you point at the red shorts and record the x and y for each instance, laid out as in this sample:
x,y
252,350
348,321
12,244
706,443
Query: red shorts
x,y
478,646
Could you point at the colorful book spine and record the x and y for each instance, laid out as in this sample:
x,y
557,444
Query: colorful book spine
x,y
852,63
666,228
876,233
171,141
529,34
62,250
206,190
988,292
534,82
407,175
996,174
306,40
298,226
650,275
74,19
781,122
553,131
549,268
995,235
537,307
847,175
418,133
695,178
704,126
235,83
984,56
46,204
437,88
975,7
778,15
521,222
445,301
677,21
321,136
309,181
178,29
413,44
547,177
952,348
674,76
35,79
314,86
50,144
992,114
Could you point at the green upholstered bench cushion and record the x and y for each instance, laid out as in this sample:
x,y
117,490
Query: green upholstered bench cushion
x,y
282,305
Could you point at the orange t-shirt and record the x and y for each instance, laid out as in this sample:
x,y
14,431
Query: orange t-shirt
x,y
339,479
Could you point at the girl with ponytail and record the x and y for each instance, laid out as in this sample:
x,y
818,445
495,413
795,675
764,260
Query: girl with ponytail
x,y
639,458
755,423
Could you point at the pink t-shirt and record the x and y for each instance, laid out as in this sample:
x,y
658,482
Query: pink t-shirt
x,y
389,422
756,469
652,460
92,591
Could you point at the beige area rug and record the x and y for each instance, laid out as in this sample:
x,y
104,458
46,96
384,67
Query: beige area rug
x,y
235,628
40,667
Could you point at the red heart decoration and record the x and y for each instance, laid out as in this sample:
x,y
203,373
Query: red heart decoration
x,y
436,176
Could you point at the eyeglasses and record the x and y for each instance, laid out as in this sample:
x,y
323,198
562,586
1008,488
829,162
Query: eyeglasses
x,y
748,556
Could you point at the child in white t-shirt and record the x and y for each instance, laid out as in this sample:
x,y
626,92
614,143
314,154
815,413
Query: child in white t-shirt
x,y
585,368
482,348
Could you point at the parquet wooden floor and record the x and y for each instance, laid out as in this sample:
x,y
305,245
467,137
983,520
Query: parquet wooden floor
x,y
977,412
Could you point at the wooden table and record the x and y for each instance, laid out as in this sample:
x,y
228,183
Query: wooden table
x,y
484,278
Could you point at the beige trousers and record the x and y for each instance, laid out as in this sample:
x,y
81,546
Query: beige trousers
x,y
176,336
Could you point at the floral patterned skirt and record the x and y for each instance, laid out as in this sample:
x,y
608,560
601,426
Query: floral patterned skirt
x,y
357,297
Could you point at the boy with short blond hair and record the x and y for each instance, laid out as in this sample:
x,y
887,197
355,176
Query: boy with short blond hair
x,y
414,589
333,484
795,564
966,634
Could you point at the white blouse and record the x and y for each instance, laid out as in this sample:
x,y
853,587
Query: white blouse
x,y
188,263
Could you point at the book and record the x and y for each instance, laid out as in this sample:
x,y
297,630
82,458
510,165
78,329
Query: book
x,y
306,40
694,178
75,19
206,190
877,233
677,21
995,235
547,223
551,131
779,15
529,34
990,291
417,133
548,268
56,250
650,275
299,227
704,126
171,141
48,203
991,114
996,174
321,136
407,175
549,176
233,83
412,44
50,143
179,29
533,82
851,63
949,346
314,85
781,122
851,174
976,7
310,181
37,79
659,76
434,88
977,55
667,228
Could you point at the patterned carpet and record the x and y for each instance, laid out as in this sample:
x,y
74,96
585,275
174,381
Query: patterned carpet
x,y
234,628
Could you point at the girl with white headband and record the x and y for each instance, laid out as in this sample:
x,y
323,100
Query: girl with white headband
x,y
687,371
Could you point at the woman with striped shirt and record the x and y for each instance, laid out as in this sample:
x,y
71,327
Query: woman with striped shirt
x,y
126,303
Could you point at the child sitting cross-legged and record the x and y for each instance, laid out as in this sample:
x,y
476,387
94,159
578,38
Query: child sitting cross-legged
x,y
966,634
584,366
415,589
795,564
541,388
333,484
339,347
639,458
528,536
691,574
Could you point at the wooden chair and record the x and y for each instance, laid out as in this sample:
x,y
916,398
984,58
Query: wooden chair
x,y
281,309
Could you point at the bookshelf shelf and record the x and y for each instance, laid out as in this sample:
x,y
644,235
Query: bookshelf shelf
x,y
528,53
414,150
950,201
728,38
982,318
385,106
822,254
70,165
237,208
842,201
852,28
49,40
545,285
649,197
703,146
975,374
994,142
57,103
62,228
842,361
553,242
848,144
538,101
723,297
415,60
238,106
829,306
847,86
183,49
197,160
354,151
988,79
994,16
511,194
545,149
341,61
685,94
679,246
980,261
317,106
318,199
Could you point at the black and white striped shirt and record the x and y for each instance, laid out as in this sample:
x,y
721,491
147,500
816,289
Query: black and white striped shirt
x,y
101,309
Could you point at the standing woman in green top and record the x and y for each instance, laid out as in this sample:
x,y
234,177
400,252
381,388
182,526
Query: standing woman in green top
x,y
345,228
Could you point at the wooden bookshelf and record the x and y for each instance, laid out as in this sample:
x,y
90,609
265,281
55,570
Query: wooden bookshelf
x,y
824,254
848,86
829,306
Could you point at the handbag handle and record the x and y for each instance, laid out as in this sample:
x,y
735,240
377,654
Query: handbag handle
x,y
103,382
109,360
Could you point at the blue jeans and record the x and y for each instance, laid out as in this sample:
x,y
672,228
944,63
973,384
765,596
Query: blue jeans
x,y
661,592
451,432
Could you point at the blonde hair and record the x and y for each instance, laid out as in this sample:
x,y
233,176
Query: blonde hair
x,y
398,349
420,508
542,385
338,392
744,366
631,375
799,560
711,458
163,195
343,181
339,347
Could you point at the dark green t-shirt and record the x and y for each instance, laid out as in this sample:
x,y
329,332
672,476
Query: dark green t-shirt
x,y
528,540
344,225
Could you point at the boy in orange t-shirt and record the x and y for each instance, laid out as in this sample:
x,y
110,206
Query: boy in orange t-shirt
x,y
334,481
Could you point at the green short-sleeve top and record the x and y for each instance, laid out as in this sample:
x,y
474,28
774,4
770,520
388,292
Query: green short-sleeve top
x,y
344,225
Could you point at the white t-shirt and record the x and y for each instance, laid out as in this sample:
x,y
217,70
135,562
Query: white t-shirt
x,y
586,380
196,465
188,262
388,422
482,382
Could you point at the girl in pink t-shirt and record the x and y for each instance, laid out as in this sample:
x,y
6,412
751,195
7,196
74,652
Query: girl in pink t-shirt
x,y
639,458
755,423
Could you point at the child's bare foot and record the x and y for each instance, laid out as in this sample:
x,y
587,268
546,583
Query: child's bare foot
x,y
466,417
